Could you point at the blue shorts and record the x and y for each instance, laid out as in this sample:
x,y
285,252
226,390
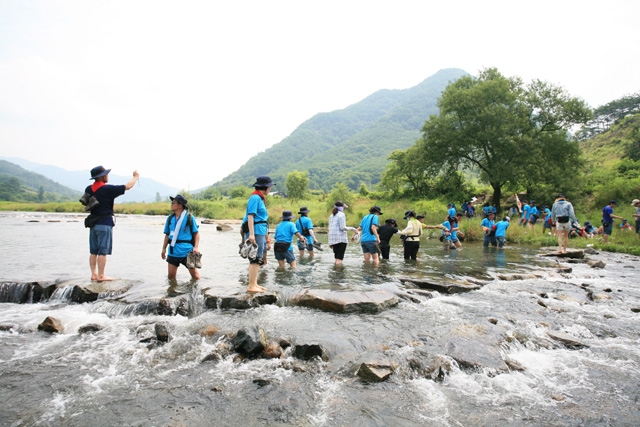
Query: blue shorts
x,y
261,241
546,225
369,247
500,241
608,229
305,246
100,239
286,255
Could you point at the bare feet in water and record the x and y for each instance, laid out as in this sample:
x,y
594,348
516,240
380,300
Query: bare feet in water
x,y
255,289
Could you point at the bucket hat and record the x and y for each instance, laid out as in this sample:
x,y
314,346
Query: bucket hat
x,y
99,171
304,210
635,202
377,209
409,213
286,215
263,181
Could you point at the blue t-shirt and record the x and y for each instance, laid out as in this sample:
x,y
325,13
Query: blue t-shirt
x,y
180,250
487,223
365,224
256,206
449,227
525,211
451,212
501,228
606,214
533,211
305,222
285,232
106,196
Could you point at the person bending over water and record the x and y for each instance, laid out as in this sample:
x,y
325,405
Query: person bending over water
x,y
183,242
100,221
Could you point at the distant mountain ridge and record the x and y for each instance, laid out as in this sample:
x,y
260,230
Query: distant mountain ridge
x,y
349,145
35,180
78,180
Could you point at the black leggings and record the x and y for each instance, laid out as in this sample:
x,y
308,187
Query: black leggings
x,y
385,248
411,249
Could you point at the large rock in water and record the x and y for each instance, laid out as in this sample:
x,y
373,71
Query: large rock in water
x,y
445,288
237,300
51,325
571,253
566,340
249,341
23,293
346,302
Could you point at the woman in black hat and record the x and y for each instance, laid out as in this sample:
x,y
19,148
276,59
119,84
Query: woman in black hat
x,y
257,228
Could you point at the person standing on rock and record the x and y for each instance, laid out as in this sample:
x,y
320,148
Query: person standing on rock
x,y
256,228
183,242
338,228
562,215
100,198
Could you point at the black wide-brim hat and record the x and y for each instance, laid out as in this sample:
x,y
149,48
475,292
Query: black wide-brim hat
x,y
286,215
180,199
377,209
304,210
263,181
99,171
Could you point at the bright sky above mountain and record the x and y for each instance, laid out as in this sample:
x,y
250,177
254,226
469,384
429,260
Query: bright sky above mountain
x,y
187,91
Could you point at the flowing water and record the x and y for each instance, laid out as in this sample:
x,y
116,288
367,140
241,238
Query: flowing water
x,y
112,378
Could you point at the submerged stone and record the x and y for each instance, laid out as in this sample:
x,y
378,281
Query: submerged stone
x,y
309,351
445,288
474,354
596,264
162,333
273,351
566,339
346,302
91,327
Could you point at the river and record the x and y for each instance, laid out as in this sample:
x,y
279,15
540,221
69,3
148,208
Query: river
x,y
112,378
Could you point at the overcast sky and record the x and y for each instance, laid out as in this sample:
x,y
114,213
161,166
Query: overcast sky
x,y
187,91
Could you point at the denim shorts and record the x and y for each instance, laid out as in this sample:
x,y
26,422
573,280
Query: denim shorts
x,y
500,241
100,239
608,229
369,247
286,255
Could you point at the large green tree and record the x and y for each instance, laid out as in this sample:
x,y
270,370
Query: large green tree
x,y
297,183
512,134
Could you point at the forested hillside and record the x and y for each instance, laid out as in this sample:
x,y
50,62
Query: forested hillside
x,y
18,184
349,145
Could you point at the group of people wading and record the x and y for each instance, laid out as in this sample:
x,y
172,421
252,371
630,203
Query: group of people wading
x,y
182,237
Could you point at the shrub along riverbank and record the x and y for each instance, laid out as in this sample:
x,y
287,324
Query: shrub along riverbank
x,y
320,207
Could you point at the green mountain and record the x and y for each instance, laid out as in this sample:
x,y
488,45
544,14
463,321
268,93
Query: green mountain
x,y
349,145
18,184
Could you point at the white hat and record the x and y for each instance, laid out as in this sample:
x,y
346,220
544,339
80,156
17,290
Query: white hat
x,y
635,202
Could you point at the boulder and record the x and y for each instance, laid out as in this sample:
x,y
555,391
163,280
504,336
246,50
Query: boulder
x,y
91,327
346,302
596,264
445,287
224,227
51,325
162,332
238,300
375,372
309,351
26,292
273,351
250,341
566,340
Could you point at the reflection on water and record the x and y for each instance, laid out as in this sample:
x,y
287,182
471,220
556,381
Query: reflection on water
x,y
112,378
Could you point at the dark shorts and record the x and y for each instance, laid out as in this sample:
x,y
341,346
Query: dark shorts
x,y
369,247
546,225
285,256
638,226
608,229
339,250
100,239
533,220
177,261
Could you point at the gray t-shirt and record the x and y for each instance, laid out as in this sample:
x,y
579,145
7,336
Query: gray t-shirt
x,y
637,213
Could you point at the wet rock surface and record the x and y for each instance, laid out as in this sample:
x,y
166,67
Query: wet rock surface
x,y
375,372
442,287
346,302
51,325
249,341
237,300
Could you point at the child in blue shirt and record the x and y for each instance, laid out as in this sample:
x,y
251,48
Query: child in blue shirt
x,y
488,230
501,231
282,248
